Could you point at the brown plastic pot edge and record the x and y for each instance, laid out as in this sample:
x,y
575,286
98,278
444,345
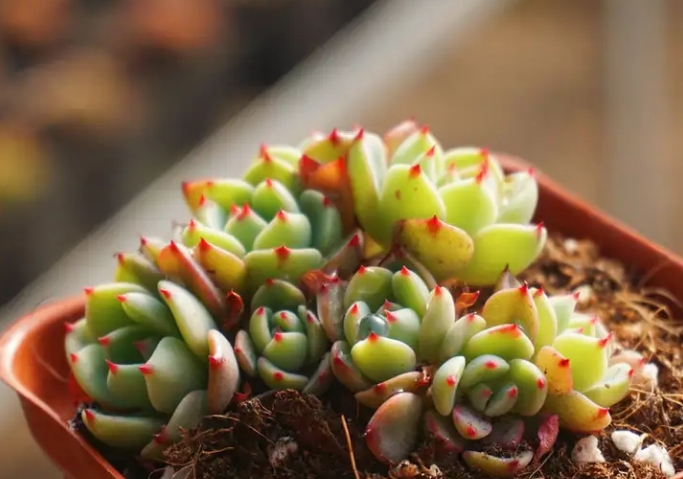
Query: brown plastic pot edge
x,y
33,362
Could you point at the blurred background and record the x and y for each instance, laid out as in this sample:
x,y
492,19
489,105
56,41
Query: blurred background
x,y
99,98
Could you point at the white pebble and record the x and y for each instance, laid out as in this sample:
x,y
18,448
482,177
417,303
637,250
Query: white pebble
x,y
648,377
585,293
571,245
627,441
283,449
657,456
586,450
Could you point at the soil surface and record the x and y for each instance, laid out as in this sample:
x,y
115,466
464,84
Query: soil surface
x,y
284,435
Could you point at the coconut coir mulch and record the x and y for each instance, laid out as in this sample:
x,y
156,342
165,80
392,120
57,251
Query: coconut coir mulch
x,y
285,435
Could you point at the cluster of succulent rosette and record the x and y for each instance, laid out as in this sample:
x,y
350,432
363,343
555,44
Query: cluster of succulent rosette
x,y
338,260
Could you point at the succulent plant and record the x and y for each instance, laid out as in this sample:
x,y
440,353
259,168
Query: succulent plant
x,y
285,343
152,361
406,191
477,380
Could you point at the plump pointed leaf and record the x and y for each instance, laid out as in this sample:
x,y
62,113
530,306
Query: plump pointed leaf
x,y
327,229
318,343
503,400
427,239
509,306
330,306
126,432
276,378
103,310
445,384
479,396
150,313
470,424
391,433
225,192
193,319
281,263
151,247
498,466
532,387
287,351
119,345
459,333
195,232
77,337
410,290
270,197
613,387
90,372
210,214
366,169
269,165
171,373
520,198
244,225
226,270
347,258
506,340
564,309
371,285
557,370
278,294
398,134
470,205
127,383
345,370
352,318
577,413
438,318
500,245
381,358
136,268
487,367
380,392
587,358
224,373
403,325
547,320
260,324
292,230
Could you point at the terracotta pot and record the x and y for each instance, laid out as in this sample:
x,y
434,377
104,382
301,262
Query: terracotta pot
x,y
32,359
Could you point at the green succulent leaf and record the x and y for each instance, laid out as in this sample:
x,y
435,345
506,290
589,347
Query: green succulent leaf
x,y
587,357
501,246
226,192
119,345
503,400
77,337
445,384
126,432
564,309
345,370
520,198
276,378
479,396
410,290
547,320
403,325
498,466
372,285
381,358
330,306
224,374
127,384
459,333
226,270
577,413
318,343
245,353
277,294
149,313
210,214
287,350
532,387
375,396
271,197
281,263
556,369
292,230
103,311
613,387
483,369
260,328
438,318
195,232
505,340
90,370
470,205
391,433
470,424
244,225
137,269
513,306
352,318
325,220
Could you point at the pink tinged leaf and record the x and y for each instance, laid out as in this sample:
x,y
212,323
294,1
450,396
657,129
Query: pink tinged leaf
x,y
445,384
441,429
347,258
322,378
532,387
197,280
372,285
483,369
410,290
577,413
513,306
318,343
498,466
503,400
379,393
224,374
547,319
479,396
427,238
587,357
564,309
345,370
470,424
278,378
460,333
506,340
500,245
522,198
194,320
438,318
129,432
556,369
330,306
381,358
245,353
392,432
631,357
613,387
507,280
398,134
547,436
507,434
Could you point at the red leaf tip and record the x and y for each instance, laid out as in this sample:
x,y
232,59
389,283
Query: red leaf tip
x,y
281,215
278,376
113,368
431,151
145,369
524,289
104,341
215,362
424,130
89,415
334,136
73,357
602,343
360,134
452,380
354,309
372,337
391,317
415,171
405,271
433,224
88,291
204,246
165,293
354,242
69,327
282,252
563,363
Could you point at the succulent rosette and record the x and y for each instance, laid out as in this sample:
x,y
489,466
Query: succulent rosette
x,y
151,359
406,190
285,343
476,380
